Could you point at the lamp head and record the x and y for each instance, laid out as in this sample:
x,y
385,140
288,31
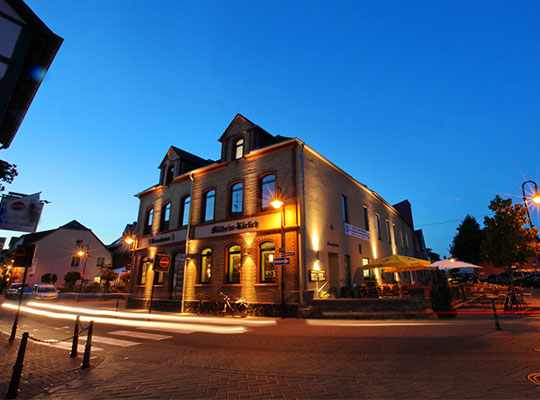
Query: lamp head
x,y
536,198
276,203
129,240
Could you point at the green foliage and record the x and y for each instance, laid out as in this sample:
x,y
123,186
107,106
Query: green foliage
x,y
8,172
467,243
439,291
72,277
124,277
49,278
506,241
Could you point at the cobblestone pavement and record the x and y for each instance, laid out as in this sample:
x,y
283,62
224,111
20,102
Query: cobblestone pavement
x,y
316,359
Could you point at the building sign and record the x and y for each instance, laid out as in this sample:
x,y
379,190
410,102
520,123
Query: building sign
x,y
162,262
254,224
159,240
316,275
352,230
20,212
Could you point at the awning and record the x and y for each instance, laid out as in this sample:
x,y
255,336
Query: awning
x,y
398,263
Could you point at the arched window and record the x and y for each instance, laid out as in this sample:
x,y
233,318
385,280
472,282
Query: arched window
x,y
149,219
268,272
206,266
209,203
237,194
239,149
165,217
185,211
234,264
268,191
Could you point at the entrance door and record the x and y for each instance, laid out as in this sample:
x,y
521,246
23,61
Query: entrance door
x,y
333,266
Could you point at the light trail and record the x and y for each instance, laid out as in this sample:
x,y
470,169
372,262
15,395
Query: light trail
x,y
156,317
366,323
169,326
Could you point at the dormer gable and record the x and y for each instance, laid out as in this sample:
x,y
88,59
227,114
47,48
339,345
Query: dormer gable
x,y
241,137
177,162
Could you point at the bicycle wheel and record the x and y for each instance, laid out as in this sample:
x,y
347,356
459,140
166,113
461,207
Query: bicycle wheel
x,y
242,311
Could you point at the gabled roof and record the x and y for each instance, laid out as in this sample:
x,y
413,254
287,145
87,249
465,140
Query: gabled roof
x,y
73,225
239,119
179,153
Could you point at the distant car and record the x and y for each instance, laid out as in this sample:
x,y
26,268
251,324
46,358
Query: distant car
x,y
44,292
491,278
14,290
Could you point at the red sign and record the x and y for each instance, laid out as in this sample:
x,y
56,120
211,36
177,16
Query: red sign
x,y
83,276
162,262
18,206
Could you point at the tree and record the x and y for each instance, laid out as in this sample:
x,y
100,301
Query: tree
x,y
8,172
108,275
124,276
506,241
49,278
72,277
467,243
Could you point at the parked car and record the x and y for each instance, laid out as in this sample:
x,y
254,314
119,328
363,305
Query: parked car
x,y
14,290
492,278
44,292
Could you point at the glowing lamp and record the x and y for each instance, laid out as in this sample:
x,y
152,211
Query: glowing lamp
x,y
129,240
276,203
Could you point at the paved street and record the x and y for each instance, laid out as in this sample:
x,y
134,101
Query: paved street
x,y
307,359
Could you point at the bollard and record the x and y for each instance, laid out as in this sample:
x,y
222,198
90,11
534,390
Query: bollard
x,y
17,369
75,344
116,305
87,348
497,326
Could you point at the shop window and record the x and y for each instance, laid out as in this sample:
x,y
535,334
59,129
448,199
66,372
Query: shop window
x,y
344,209
165,217
268,191
366,221
206,266
268,271
234,263
209,204
186,204
378,226
148,220
239,149
237,194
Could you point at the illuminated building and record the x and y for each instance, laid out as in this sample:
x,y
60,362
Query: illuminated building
x,y
332,225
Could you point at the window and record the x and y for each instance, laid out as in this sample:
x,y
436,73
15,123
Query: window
x,y
395,234
75,260
158,277
145,264
344,208
148,222
406,241
368,273
388,235
100,261
169,174
347,262
165,217
268,271
237,193
400,237
185,211
378,226
366,222
239,149
209,202
268,191
206,266
234,262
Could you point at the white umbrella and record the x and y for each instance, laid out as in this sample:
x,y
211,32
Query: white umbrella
x,y
451,264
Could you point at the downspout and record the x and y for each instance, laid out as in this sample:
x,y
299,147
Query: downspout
x,y
304,255
187,242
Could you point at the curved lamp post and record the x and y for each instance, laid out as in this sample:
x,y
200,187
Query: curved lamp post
x,y
535,199
278,203
83,252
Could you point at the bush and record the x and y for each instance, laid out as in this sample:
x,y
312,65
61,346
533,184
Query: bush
x,y
440,293
49,278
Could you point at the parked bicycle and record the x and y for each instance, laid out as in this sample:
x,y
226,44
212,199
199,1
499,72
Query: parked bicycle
x,y
208,306
237,307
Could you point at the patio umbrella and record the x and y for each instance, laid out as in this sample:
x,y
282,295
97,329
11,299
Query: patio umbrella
x,y
398,263
451,264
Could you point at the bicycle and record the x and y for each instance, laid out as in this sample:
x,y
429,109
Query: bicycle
x,y
208,306
238,307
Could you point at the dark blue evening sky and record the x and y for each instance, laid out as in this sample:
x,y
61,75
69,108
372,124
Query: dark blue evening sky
x,y
435,102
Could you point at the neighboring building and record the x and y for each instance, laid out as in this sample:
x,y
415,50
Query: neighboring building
x,y
332,225
56,253
121,251
27,48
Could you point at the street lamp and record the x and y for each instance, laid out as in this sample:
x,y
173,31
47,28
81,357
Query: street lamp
x,y
278,203
83,252
535,199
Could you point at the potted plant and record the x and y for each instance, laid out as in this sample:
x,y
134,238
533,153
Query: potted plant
x,y
441,295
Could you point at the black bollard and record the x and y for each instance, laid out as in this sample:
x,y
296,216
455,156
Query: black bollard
x,y
116,305
87,348
497,326
13,390
75,344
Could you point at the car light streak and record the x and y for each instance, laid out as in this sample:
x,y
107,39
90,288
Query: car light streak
x,y
365,323
156,317
169,326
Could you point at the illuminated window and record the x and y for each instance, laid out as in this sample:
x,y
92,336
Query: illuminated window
x,y
237,194
165,217
368,273
158,278
209,203
366,221
378,226
268,271
239,149
206,266
388,234
185,211
344,208
145,264
234,263
268,191
149,219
